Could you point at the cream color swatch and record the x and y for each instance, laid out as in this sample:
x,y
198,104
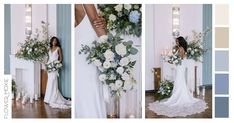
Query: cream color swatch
x,y
221,14
221,37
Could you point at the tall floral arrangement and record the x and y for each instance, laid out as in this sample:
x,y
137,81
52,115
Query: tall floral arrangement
x,y
195,49
112,56
33,48
122,18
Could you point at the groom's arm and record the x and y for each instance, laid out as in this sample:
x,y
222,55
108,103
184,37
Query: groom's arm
x,y
92,14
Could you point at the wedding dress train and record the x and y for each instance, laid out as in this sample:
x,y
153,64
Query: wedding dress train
x,y
89,101
181,103
53,96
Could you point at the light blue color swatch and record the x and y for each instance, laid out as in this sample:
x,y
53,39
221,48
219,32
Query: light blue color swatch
x,y
221,60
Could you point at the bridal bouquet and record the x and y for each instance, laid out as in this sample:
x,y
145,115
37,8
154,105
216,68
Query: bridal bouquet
x,y
33,48
195,49
174,57
165,89
122,18
112,56
53,66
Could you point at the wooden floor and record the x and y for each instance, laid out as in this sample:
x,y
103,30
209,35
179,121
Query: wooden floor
x,y
150,97
37,110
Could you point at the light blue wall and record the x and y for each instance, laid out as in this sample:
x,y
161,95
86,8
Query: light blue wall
x,y
64,35
7,38
207,57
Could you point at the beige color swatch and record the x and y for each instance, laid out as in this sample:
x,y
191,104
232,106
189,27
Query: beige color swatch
x,y
221,14
221,37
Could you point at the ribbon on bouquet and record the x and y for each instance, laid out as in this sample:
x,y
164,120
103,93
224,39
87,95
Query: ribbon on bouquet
x,y
106,93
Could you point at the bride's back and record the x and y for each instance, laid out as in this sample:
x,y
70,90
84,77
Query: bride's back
x,y
79,13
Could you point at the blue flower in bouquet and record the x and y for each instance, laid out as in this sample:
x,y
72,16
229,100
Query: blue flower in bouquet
x,y
134,16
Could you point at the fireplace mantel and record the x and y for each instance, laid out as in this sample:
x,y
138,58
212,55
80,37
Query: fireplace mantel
x,y
26,75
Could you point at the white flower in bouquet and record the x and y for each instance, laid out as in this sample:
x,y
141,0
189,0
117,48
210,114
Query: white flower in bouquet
x,y
112,77
120,70
189,49
109,55
56,62
125,76
176,61
124,61
118,7
121,49
118,84
102,39
195,50
112,17
120,14
136,7
58,65
97,62
192,52
127,6
114,64
35,49
102,77
106,64
54,69
112,87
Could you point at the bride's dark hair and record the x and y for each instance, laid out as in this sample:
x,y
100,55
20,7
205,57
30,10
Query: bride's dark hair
x,y
182,43
57,44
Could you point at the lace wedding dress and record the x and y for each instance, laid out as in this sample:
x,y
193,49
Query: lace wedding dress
x,y
53,96
89,99
181,103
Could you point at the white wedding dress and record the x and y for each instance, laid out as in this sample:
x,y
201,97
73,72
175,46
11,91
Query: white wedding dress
x,y
89,100
181,103
53,96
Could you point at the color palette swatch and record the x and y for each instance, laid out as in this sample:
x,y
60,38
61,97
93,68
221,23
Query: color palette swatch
x,y
221,61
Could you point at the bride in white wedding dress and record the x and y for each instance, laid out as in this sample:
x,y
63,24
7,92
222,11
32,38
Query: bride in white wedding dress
x,y
181,103
53,96
89,100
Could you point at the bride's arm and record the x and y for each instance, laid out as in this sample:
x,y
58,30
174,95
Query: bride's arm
x,y
92,14
60,55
